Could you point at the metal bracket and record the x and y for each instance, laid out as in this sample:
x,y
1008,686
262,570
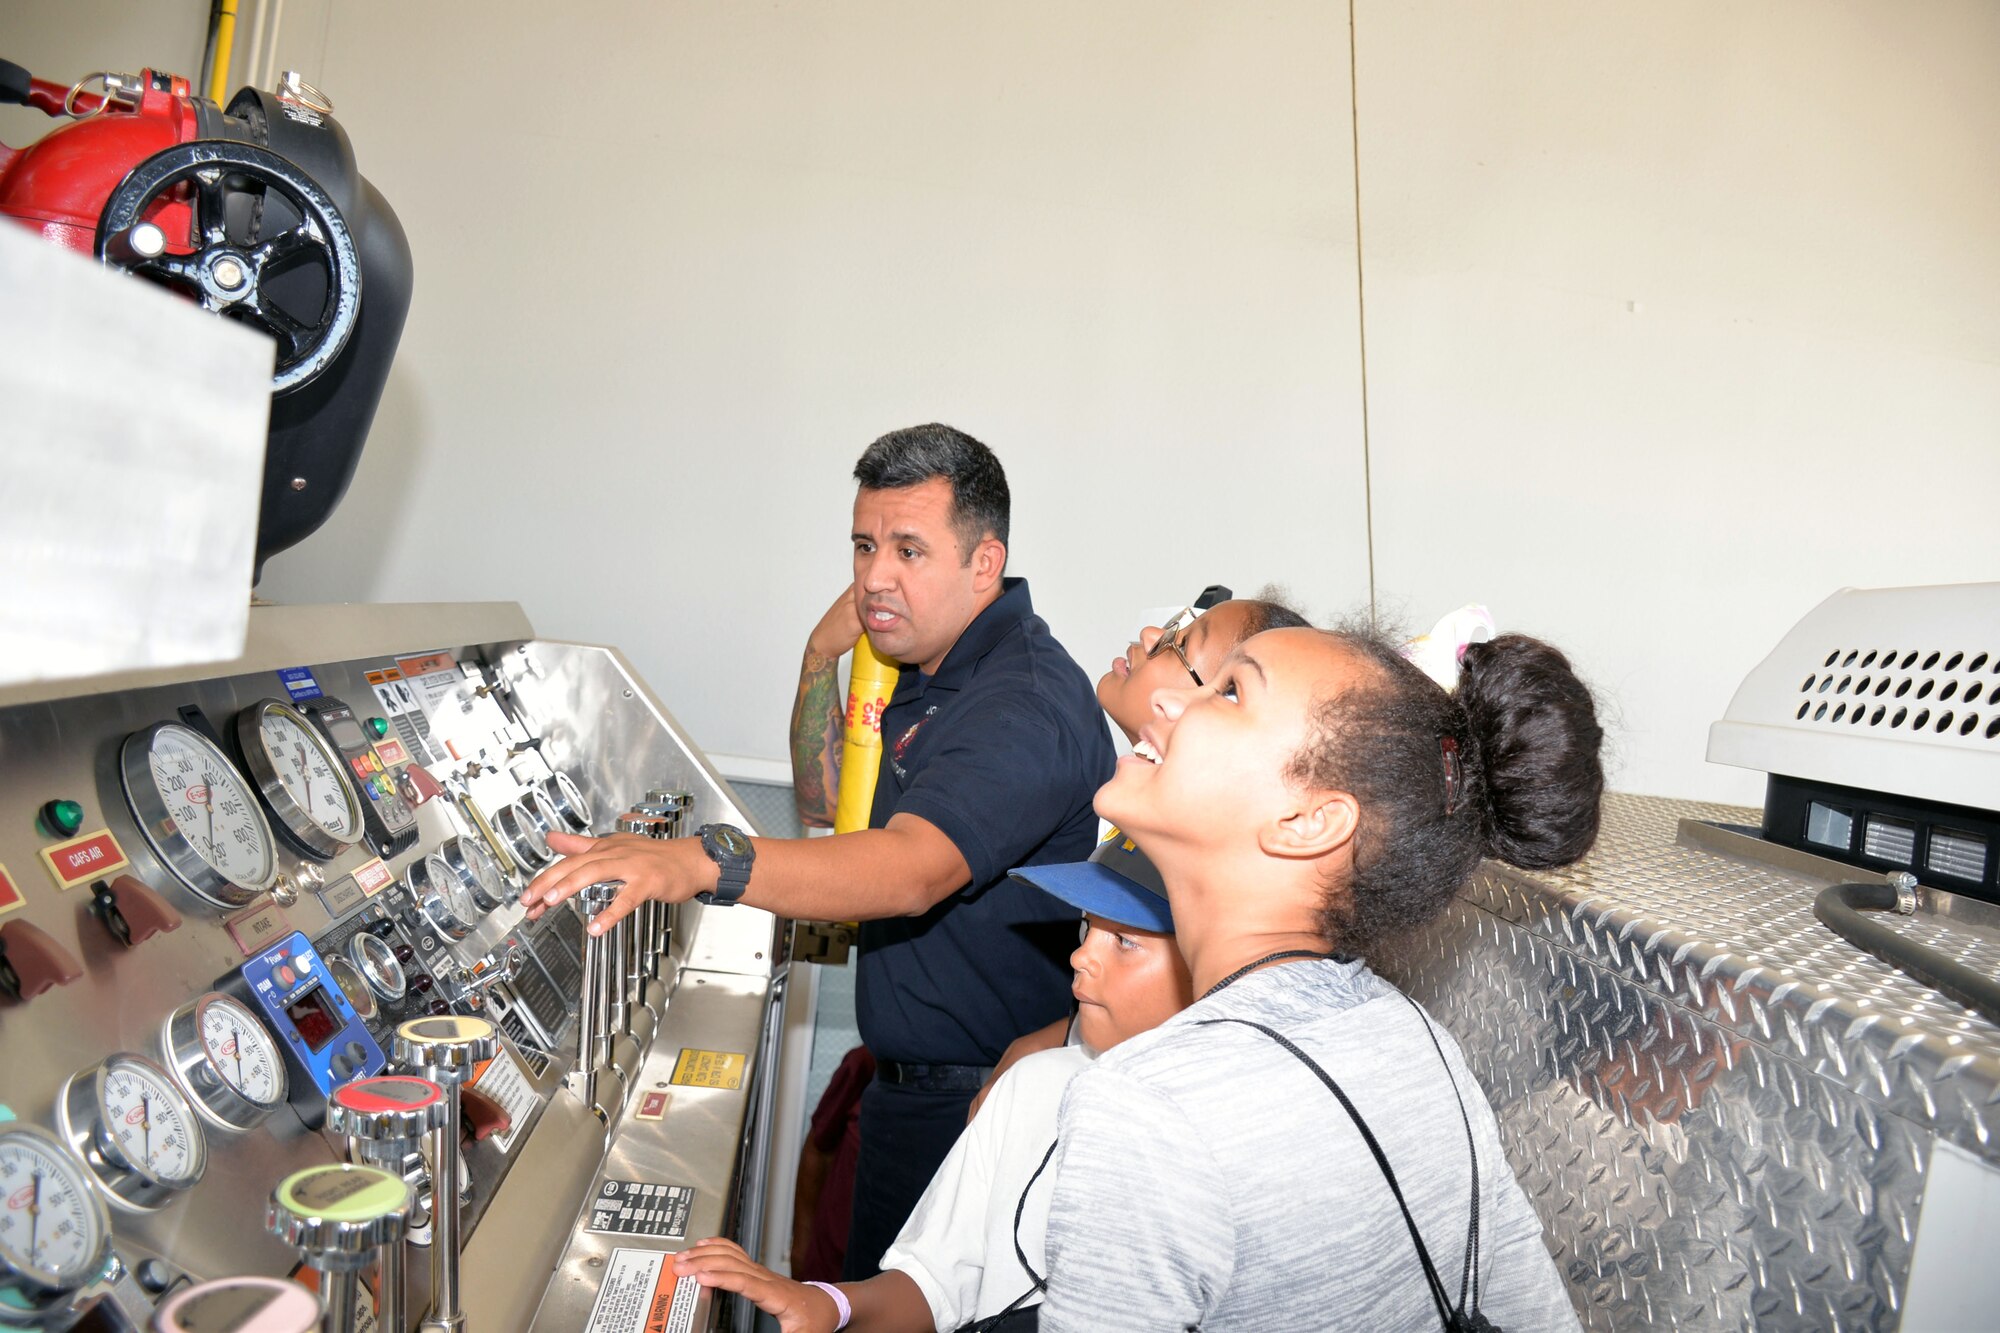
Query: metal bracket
x,y
825,942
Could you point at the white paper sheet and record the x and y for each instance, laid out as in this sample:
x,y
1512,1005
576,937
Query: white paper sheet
x,y
132,433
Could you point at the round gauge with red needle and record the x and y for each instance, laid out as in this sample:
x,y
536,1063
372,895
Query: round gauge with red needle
x,y
302,778
135,1130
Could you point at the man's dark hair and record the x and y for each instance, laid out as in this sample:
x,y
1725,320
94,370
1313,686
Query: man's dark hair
x,y
979,499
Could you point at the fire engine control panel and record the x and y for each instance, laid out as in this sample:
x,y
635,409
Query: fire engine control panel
x,y
226,894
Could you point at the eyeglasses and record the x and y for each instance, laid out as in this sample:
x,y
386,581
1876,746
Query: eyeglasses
x,y
1170,637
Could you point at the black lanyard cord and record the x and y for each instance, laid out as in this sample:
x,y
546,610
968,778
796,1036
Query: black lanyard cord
x,y
1451,1317
1472,1236
1279,956
1041,1283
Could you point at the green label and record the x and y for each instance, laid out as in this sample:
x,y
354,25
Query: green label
x,y
344,1193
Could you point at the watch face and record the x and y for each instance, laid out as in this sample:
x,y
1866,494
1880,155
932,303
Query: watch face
x,y
731,840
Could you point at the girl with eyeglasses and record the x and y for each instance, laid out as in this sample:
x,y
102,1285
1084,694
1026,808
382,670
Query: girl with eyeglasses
x,y
1185,650
1231,1169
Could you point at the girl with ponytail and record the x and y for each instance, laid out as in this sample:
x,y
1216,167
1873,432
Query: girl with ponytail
x,y
1303,1148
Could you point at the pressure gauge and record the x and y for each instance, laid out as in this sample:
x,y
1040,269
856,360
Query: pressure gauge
x,y
542,814
226,1059
564,797
55,1235
302,778
381,971
523,838
443,897
477,869
135,1131
197,812
353,985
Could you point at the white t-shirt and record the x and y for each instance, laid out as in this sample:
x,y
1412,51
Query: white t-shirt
x,y
958,1246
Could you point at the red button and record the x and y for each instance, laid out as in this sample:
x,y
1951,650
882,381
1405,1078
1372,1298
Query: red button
x,y
285,975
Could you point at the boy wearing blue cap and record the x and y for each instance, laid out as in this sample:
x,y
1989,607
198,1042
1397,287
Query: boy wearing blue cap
x,y
973,1248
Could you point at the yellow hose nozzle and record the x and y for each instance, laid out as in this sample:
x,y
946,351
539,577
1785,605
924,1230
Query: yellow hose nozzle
x,y
871,681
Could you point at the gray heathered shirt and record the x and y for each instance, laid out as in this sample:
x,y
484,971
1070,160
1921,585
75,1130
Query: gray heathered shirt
x,y
1207,1179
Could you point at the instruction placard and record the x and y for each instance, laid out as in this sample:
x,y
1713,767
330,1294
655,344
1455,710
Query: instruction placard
x,y
634,1208
640,1295
504,1081
709,1069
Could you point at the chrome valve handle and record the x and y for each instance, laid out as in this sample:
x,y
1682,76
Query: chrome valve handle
x,y
447,1050
593,1039
337,1217
651,916
385,1120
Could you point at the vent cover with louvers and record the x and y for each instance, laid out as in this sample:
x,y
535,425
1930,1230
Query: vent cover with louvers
x,y
1893,690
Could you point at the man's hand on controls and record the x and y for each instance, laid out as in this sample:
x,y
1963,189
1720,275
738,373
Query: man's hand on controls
x,y
838,630
723,1264
670,871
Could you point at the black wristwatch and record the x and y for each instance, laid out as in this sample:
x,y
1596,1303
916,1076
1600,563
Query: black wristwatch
x,y
732,851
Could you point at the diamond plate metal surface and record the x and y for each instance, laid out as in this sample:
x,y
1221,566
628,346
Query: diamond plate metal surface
x,y
1721,1110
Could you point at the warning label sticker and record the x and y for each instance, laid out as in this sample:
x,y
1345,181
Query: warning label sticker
x,y
632,1208
640,1295
709,1069
503,1080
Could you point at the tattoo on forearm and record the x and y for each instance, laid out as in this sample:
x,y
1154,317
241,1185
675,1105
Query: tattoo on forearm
x,y
815,731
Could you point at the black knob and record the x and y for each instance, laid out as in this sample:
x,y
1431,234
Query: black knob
x,y
14,83
438,1007
422,984
404,953
105,906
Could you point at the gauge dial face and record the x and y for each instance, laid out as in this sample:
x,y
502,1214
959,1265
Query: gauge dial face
x,y
562,793
542,814
302,778
53,1227
523,836
376,960
353,985
242,1051
443,896
478,869
144,1117
198,813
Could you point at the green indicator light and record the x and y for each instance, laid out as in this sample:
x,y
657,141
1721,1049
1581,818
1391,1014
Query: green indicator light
x,y
379,725
61,819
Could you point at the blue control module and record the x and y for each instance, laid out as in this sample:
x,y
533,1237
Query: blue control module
x,y
325,1042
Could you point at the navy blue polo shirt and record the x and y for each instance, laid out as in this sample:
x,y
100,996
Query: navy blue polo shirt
x,y
1003,750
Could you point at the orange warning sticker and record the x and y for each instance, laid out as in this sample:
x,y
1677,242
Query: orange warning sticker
x,y
709,1069
640,1294
424,665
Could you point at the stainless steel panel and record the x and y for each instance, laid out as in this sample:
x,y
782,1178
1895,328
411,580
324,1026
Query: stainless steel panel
x,y
62,740
697,1145
1722,1112
604,727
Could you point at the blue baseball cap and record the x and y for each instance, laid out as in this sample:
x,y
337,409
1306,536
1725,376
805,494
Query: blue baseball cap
x,y
1117,883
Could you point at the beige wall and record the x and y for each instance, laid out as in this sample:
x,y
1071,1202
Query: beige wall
x,y
1677,318
677,267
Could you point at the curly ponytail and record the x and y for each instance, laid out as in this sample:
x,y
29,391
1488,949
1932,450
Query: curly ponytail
x,y
1529,777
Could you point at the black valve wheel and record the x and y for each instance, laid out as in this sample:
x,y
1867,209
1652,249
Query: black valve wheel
x,y
245,253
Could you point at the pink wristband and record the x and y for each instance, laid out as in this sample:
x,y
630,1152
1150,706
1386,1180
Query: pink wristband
x,y
839,1303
